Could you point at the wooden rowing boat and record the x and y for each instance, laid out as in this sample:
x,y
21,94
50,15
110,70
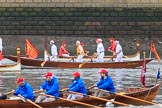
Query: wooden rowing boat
x,y
38,62
12,67
148,94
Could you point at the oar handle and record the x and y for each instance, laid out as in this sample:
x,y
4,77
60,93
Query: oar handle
x,y
91,87
7,93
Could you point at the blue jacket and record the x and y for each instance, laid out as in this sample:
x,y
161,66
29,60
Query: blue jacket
x,y
52,87
26,91
106,84
78,86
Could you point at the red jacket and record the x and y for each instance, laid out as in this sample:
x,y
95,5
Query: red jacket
x,y
62,50
112,46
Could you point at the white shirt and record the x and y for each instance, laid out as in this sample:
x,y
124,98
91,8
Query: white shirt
x,y
54,50
100,48
119,50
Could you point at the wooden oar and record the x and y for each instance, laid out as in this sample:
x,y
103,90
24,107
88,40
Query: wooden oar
x,y
91,87
72,101
103,99
7,93
130,97
30,102
43,63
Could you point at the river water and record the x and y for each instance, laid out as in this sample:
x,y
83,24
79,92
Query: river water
x,y
122,77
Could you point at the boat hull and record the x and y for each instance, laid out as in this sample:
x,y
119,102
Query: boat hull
x,y
36,62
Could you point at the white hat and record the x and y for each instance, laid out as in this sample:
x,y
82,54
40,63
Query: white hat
x,y
77,42
52,41
99,39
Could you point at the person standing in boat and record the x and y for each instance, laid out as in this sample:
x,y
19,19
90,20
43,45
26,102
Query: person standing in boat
x,y
51,85
24,89
54,52
100,50
1,57
105,83
63,52
118,52
80,52
78,86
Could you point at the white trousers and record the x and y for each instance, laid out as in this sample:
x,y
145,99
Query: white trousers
x,y
43,99
53,58
119,58
100,57
74,96
65,55
79,58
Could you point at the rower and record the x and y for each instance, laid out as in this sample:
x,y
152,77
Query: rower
x,y
53,51
24,89
77,85
63,52
104,83
112,47
100,50
51,85
80,52
118,52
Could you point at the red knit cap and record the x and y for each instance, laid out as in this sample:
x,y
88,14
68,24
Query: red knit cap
x,y
111,39
20,79
48,74
104,71
77,74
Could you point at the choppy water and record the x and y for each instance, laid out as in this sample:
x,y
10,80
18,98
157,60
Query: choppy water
x,y
122,77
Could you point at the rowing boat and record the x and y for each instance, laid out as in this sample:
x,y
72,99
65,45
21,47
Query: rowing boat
x,y
12,67
37,62
148,94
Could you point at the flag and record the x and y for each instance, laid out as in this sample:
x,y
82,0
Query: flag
x,y
153,49
143,72
30,50
158,74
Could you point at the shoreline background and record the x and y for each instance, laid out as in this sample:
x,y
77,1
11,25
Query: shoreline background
x,y
128,44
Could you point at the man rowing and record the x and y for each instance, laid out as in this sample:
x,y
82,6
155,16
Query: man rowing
x,y
24,89
105,83
54,52
78,86
51,85
63,52
112,47
80,52
100,50
118,52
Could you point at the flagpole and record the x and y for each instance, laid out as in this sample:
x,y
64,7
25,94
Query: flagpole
x,y
150,44
157,77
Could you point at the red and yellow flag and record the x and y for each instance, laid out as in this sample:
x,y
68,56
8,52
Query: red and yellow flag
x,y
30,50
153,49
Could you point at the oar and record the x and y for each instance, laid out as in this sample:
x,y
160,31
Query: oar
x,y
30,102
103,99
43,63
91,87
72,101
130,97
7,93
